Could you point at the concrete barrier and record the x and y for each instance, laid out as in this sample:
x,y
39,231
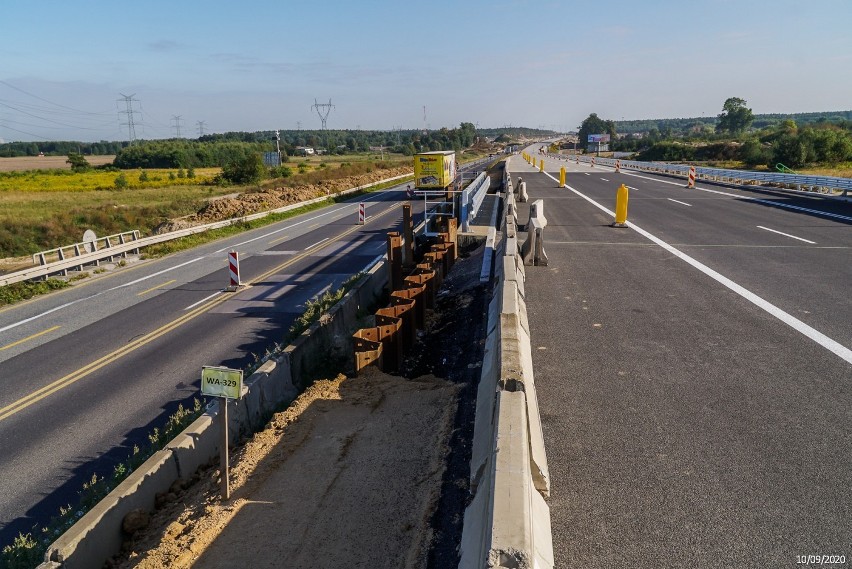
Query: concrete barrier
x,y
507,523
98,534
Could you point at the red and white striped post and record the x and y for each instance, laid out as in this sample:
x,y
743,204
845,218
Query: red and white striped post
x,y
691,180
361,213
234,270
617,166
593,161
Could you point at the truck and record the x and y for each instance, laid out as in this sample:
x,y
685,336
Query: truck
x,y
434,169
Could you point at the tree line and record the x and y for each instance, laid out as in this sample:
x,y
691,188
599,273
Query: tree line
x,y
737,134
220,149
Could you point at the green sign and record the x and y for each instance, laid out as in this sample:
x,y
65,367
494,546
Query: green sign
x,y
221,382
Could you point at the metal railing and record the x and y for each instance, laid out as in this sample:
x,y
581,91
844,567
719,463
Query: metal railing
x,y
78,249
829,185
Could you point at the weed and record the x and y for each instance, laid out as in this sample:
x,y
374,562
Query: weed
x,y
25,552
17,292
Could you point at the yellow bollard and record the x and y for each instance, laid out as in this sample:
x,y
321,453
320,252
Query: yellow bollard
x,y
562,177
541,165
621,207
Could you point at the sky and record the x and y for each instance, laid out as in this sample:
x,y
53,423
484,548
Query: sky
x,y
262,64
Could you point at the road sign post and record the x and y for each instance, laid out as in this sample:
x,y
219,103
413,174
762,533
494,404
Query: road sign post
x,y
224,383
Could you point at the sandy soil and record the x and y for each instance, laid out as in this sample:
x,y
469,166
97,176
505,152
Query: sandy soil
x,y
47,162
347,476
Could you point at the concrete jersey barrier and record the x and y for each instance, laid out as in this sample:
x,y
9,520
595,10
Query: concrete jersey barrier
x,y
507,523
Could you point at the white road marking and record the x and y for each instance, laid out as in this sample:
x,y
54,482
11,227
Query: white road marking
x,y
758,200
680,202
604,179
317,243
191,306
786,235
788,319
631,188
158,273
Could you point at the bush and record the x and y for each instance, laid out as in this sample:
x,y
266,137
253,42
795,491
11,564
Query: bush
x,y
143,176
121,182
280,172
246,170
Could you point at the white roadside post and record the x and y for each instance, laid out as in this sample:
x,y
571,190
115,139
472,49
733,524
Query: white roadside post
x,y
224,383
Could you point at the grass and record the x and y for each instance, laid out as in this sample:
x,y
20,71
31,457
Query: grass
x,y
41,209
17,292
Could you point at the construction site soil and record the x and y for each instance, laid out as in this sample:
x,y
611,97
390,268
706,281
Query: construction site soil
x,y
272,198
368,471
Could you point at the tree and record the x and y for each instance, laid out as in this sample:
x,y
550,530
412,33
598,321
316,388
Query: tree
x,y
735,116
595,125
78,162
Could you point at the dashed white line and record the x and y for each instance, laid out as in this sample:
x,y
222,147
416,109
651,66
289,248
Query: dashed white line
x,y
786,234
191,306
604,179
317,243
813,334
680,202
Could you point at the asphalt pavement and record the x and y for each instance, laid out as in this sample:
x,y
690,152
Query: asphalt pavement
x,y
693,372
87,372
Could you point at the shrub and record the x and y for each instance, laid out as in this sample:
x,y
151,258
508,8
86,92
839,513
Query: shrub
x,y
121,182
246,170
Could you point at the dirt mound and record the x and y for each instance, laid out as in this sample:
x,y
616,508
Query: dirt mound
x,y
273,198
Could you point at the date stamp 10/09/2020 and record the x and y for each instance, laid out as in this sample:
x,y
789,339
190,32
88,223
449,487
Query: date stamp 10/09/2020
x,y
821,560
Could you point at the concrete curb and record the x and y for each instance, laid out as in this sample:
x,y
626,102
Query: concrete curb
x,y
98,534
507,523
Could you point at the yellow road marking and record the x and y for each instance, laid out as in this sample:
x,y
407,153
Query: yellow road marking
x,y
155,287
279,239
42,333
79,374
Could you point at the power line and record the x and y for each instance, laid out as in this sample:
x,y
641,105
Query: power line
x,y
51,102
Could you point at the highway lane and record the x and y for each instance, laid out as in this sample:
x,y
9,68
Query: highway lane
x,y
151,340
685,425
758,245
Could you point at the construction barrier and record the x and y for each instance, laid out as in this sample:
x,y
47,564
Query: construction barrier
x,y
507,523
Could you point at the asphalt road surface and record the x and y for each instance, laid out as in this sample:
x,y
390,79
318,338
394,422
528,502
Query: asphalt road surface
x,y
87,372
694,372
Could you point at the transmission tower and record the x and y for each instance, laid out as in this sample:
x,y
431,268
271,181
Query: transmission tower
x,y
176,126
130,124
323,110
200,125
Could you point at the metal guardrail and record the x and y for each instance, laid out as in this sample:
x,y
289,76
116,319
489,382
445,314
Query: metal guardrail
x,y
78,249
472,197
822,184
90,258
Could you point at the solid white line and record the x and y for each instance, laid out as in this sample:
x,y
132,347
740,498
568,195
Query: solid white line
x,y
809,332
786,235
46,312
191,306
680,202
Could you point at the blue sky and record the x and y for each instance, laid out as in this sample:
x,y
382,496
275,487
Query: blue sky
x,y
260,64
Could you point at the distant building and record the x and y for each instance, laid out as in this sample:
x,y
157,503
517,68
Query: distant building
x,y
305,151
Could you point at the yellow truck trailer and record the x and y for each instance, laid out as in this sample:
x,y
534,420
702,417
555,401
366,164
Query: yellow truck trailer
x,y
434,169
